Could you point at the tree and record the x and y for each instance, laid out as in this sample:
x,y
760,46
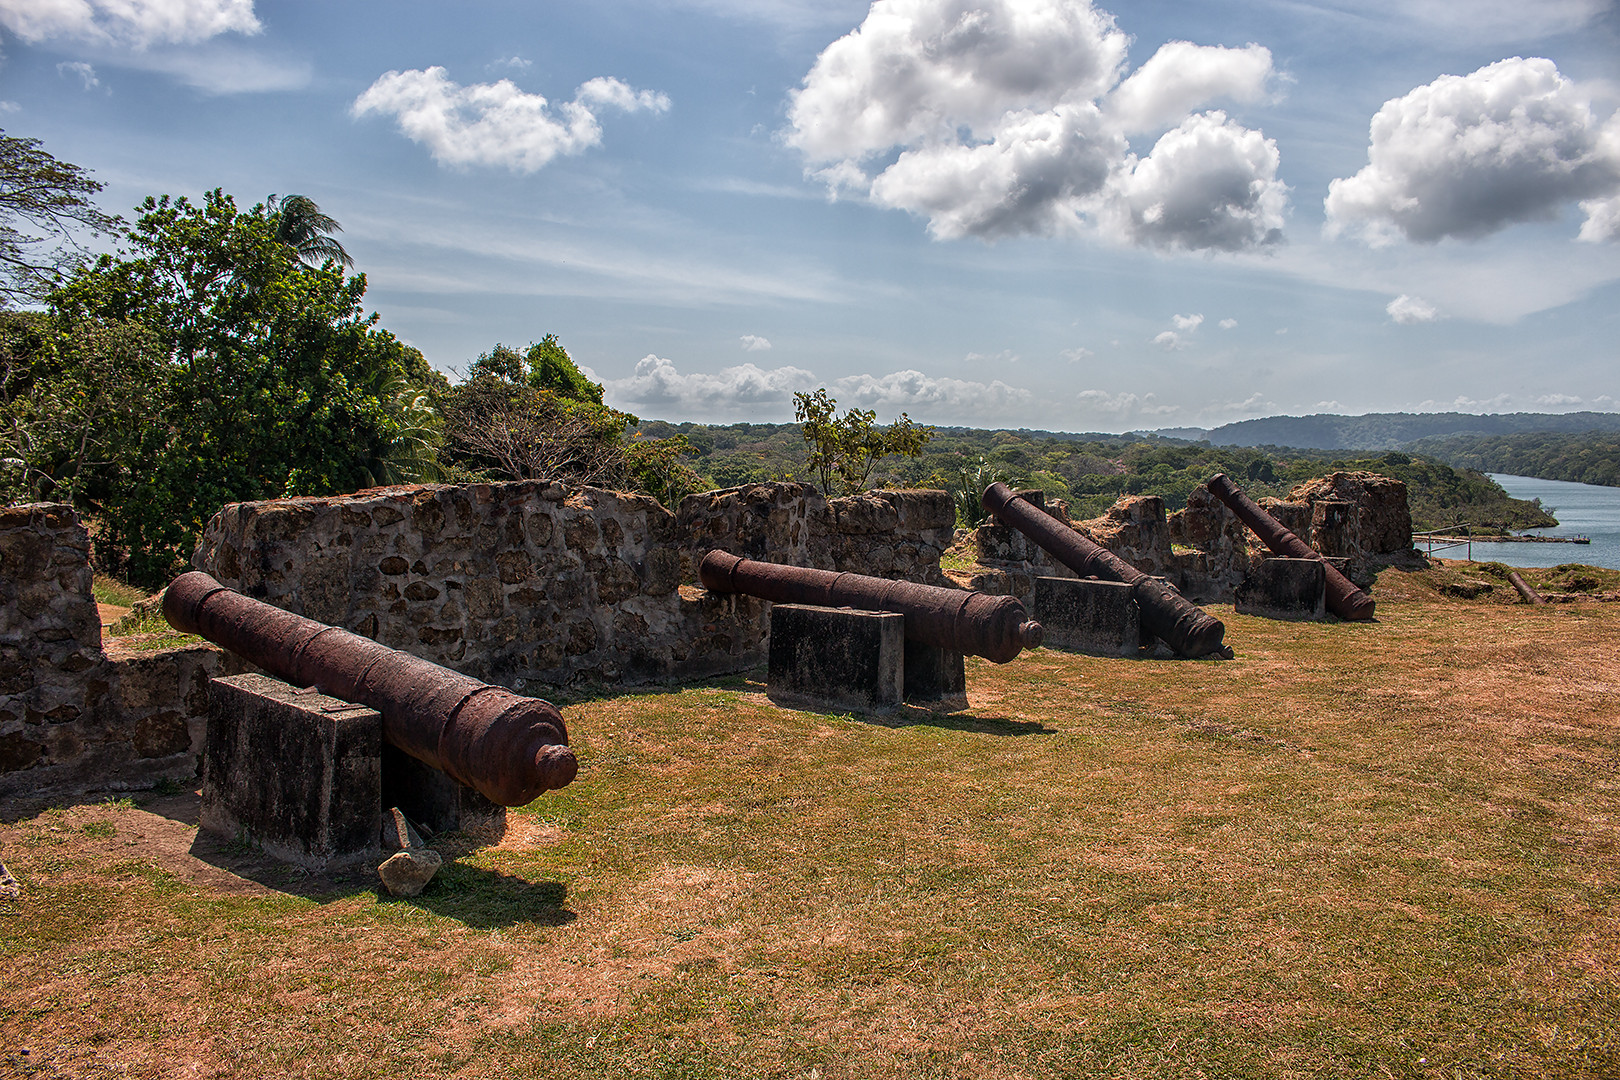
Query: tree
x,y
535,416
300,225
41,200
847,447
545,365
270,379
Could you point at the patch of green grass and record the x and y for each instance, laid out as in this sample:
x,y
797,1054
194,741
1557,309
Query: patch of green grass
x,y
1354,850
110,590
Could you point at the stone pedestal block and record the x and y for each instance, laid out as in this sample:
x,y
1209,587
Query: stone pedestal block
x,y
293,771
836,657
934,678
1284,589
429,797
1088,616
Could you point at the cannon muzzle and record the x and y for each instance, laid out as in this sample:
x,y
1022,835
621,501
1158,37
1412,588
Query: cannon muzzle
x,y
1166,614
507,747
1343,598
994,627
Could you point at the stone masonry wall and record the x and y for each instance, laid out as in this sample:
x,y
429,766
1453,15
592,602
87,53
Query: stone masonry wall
x,y
73,716
533,582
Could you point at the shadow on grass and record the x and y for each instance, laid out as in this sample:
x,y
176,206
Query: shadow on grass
x,y
489,900
580,693
983,725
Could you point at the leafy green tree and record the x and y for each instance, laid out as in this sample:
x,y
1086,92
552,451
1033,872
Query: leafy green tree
x,y
270,379
846,448
42,200
545,365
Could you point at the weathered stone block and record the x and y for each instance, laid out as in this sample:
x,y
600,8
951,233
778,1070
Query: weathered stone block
x,y
294,771
934,678
836,657
1099,618
1284,589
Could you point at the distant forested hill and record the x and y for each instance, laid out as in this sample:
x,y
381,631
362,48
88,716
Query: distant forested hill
x,y
1591,457
1091,471
1393,431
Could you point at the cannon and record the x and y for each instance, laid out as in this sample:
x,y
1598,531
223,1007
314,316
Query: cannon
x,y
1165,613
506,747
1343,598
994,627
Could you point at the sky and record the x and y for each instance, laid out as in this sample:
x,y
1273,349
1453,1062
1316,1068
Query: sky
x,y
1050,214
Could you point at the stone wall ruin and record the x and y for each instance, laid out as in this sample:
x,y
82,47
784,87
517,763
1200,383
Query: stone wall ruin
x,y
1203,549
535,584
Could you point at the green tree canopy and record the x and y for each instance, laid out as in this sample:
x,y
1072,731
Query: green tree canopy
x,y
545,365
259,377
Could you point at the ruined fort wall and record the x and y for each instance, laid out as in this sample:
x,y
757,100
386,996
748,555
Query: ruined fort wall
x,y
543,583
1203,549
72,715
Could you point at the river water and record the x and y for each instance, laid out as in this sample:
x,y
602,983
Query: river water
x,y
1581,510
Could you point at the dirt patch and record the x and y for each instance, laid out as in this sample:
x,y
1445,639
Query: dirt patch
x,y
161,831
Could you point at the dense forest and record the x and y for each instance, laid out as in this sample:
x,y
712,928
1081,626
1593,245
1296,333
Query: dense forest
x,y
1591,457
1091,472
1397,431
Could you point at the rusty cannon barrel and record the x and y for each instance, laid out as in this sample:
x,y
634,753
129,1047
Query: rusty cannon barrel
x,y
508,748
1343,598
1165,613
994,627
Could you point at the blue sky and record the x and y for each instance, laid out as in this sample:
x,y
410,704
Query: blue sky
x,y
1028,213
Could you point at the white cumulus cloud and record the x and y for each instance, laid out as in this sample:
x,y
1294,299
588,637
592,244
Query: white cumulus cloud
x,y
1006,117
135,24
746,388
1408,310
1074,356
1187,322
907,390
1227,324
1466,156
755,343
1557,399
1209,184
1182,77
496,123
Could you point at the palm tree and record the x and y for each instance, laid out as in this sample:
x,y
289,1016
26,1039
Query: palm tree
x,y
301,226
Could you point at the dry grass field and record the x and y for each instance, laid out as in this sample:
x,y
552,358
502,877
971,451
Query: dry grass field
x,y
1376,850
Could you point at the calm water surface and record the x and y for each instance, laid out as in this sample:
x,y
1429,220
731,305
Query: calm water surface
x,y
1581,510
